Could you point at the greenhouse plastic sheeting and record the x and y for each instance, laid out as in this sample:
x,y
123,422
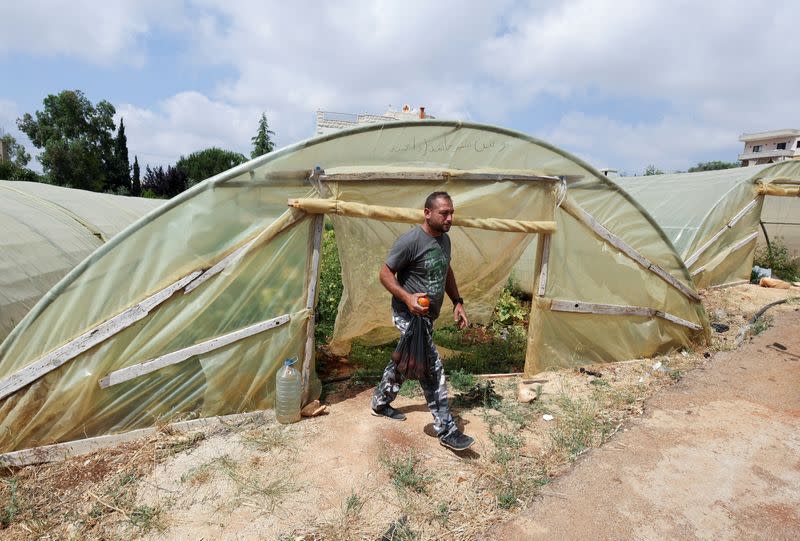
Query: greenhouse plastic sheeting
x,y
693,208
781,215
195,231
45,231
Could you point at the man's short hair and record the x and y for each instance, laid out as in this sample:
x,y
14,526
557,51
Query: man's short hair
x,y
429,201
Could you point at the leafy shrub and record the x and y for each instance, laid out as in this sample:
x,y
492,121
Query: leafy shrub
x,y
508,311
780,260
330,286
461,380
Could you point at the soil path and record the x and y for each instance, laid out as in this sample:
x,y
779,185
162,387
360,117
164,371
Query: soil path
x,y
717,457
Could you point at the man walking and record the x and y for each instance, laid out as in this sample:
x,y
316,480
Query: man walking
x,y
419,266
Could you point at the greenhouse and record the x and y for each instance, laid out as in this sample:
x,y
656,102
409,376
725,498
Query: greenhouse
x,y
46,231
190,311
714,218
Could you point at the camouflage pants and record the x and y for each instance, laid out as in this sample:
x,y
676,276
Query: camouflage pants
x,y
433,385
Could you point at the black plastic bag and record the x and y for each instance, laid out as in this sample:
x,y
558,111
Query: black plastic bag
x,y
411,354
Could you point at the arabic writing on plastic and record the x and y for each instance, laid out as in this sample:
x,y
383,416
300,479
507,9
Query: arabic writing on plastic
x,y
441,144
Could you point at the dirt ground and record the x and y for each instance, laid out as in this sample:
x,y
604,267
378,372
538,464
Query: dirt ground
x,y
716,457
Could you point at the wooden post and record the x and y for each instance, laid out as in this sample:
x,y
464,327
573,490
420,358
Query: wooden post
x,y
63,354
175,357
537,305
311,301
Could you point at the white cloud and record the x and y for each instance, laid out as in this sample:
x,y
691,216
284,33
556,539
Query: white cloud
x,y
672,143
185,123
347,56
696,75
95,31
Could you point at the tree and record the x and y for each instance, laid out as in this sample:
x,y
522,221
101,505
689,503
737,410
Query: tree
x,y
17,155
713,166
14,168
652,170
119,178
76,138
204,164
162,183
136,184
262,142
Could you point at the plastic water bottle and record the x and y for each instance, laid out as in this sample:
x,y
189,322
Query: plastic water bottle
x,y
288,390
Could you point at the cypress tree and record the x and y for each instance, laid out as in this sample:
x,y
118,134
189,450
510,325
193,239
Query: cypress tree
x,y
262,143
121,177
136,185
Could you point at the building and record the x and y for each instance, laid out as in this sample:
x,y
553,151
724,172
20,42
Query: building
x,y
328,122
770,146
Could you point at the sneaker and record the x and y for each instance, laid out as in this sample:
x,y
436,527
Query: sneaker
x,y
390,412
457,440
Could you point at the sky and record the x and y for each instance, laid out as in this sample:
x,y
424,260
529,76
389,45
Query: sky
x,y
619,83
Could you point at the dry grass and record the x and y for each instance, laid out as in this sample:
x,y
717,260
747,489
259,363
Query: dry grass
x,y
414,494
87,497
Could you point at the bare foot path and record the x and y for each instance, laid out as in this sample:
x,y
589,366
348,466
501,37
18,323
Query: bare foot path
x,y
717,457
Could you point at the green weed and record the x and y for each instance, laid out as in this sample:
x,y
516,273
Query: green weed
x,y
353,505
180,444
778,258
442,514
372,358
508,310
405,472
676,375
330,285
507,446
11,507
146,517
400,531
461,381
761,324
267,439
507,498
410,389
198,475
577,429
480,394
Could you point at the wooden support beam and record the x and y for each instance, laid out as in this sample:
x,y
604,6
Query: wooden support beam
x,y
778,191
730,284
588,220
415,216
533,346
692,259
62,451
175,357
281,224
89,339
544,239
128,317
745,241
428,175
311,301
560,305
698,271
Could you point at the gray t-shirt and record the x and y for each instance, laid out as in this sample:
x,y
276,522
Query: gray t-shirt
x,y
420,262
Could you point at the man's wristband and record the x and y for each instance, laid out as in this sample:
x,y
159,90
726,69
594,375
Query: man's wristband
x,y
457,301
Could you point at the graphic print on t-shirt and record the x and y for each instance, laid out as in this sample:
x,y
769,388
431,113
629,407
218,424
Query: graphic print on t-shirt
x,y
436,266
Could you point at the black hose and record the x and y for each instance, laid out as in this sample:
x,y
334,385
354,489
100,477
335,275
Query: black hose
x,y
765,308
